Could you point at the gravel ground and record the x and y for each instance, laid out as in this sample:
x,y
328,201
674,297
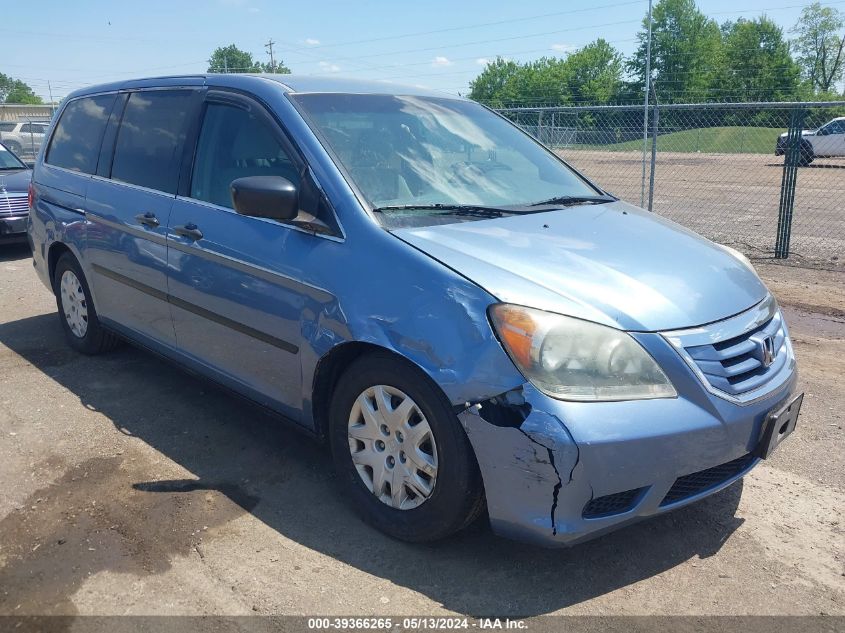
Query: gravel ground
x,y
129,487
734,198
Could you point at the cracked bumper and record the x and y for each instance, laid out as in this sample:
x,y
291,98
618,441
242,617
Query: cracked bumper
x,y
541,471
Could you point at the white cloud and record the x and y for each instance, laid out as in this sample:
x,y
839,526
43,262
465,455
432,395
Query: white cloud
x,y
482,61
329,67
563,48
310,41
254,10
441,61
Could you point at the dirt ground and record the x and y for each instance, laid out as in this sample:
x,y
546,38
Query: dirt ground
x,y
129,487
734,198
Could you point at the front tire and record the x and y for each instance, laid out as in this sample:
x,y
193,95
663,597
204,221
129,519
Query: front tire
x,y
82,328
401,455
806,155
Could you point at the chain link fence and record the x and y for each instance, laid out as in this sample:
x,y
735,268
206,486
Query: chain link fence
x,y
722,170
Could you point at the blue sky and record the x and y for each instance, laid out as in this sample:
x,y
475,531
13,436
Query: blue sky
x,y
438,43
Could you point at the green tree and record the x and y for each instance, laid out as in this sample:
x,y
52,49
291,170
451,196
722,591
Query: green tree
x,y
231,59
542,82
592,74
16,91
686,53
820,46
279,68
494,86
758,65
595,73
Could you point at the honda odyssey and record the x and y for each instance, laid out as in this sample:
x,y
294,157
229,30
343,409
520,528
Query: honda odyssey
x,y
473,327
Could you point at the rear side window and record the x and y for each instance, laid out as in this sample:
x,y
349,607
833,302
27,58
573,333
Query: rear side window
x,y
7,127
76,142
150,139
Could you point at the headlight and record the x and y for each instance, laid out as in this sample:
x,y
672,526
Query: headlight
x,y
571,359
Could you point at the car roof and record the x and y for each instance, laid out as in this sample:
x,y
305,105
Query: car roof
x,y
290,83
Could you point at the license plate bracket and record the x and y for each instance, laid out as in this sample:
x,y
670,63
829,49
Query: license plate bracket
x,y
778,425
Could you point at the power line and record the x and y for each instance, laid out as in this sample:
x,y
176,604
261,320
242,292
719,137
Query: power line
x,y
477,25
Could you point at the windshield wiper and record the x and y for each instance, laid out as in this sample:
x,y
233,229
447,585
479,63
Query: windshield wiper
x,y
572,200
468,209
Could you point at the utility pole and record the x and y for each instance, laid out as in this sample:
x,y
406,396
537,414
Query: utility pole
x,y
50,90
645,105
269,47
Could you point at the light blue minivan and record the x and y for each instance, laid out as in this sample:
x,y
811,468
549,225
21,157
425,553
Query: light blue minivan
x,y
473,327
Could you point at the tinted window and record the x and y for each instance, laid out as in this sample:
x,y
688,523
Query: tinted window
x,y
233,144
150,139
7,127
34,128
834,127
76,141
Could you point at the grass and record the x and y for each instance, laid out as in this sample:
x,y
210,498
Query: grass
x,y
710,140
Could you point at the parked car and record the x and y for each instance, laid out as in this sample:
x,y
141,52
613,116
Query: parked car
x,y
23,138
472,325
826,142
14,196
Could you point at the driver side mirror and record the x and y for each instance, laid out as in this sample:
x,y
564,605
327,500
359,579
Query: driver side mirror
x,y
270,197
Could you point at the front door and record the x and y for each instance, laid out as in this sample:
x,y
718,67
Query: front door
x,y
236,288
830,140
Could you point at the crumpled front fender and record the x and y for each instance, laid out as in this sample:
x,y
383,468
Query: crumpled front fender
x,y
527,459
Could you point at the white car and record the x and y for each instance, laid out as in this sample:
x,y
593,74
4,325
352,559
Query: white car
x,y
827,141
23,137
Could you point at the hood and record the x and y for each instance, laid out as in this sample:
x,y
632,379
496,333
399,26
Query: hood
x,y
15,181
610,263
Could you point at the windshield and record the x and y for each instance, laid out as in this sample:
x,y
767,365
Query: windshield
x,y
8,160
402,151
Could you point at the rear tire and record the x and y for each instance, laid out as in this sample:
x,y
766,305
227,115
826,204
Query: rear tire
x,y
82,328
438,499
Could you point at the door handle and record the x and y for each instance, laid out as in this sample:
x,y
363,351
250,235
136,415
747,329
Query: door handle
x,y
148,219
188,230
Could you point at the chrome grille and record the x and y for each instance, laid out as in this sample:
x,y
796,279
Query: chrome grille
x,y
736,365
741,358
13,204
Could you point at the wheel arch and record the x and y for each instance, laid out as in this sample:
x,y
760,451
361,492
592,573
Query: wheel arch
x,y
57,249
331,367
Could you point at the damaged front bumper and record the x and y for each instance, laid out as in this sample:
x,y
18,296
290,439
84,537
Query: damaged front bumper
x,y
557,473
